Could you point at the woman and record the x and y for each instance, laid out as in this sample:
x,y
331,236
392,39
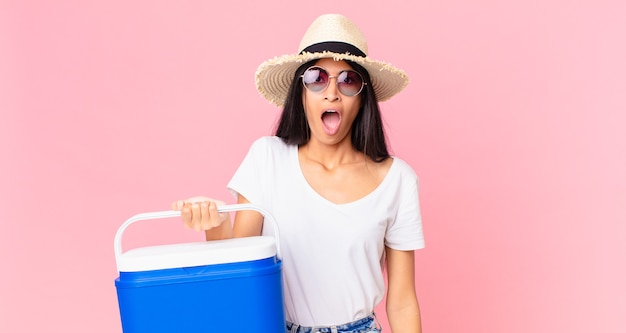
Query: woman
x,y
344,206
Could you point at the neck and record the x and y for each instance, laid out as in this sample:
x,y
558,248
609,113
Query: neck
x,y
331,156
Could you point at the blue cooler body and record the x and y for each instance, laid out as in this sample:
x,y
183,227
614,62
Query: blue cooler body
x,y
232,285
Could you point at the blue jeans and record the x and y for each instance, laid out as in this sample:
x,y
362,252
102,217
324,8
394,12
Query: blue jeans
x,y
368,324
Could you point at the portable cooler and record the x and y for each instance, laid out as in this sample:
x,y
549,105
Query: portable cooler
x,y
230,285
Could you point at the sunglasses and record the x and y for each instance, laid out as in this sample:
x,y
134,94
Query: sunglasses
x,y
316,79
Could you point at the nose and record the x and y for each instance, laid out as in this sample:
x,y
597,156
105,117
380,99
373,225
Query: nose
x,y
331,93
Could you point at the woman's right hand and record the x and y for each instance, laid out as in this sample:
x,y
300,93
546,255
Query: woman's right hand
x,y
200,213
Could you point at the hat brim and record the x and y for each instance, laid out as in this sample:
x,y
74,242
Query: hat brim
x,y
274,76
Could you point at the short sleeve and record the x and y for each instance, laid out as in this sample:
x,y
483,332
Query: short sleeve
x,y
247,179
405,231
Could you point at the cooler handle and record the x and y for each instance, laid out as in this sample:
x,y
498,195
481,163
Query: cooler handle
x,y
117,243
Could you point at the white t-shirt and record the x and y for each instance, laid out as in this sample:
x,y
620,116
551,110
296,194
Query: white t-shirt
x,y
332,253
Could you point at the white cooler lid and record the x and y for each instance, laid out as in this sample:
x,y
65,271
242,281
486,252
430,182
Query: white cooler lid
x,y
197,254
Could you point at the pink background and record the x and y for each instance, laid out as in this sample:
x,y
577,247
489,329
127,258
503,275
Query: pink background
x,y
514,119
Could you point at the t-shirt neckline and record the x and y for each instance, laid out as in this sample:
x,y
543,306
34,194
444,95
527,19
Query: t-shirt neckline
x,y
296,160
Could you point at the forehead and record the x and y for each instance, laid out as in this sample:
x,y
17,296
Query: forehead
x,y
332,65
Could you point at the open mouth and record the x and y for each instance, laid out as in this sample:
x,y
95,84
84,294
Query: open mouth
x,y
331,120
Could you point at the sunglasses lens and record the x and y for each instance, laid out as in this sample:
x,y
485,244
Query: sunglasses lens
x,y
350,83
315,79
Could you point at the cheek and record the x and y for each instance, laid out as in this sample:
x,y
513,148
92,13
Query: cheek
x,y
305,104
310,101
355,108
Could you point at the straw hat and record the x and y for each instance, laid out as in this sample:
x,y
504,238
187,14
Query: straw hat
x,y
329,36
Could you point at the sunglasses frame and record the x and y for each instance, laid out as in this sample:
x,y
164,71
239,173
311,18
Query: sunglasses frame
x,y
363,83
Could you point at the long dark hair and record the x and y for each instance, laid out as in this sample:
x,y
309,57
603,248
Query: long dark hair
x,y
368,135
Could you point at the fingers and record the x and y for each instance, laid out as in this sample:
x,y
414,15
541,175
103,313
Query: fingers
x,y
186,215
198,213
205,217
196,218
216,218
178,204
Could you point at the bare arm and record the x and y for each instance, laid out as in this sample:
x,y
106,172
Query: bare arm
x,y
402,306
247,222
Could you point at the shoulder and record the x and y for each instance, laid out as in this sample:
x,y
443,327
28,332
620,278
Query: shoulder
x,y
270,146
269,143
402,169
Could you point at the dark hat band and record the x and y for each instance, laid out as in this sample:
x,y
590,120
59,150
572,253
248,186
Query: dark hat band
x,y
335,47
